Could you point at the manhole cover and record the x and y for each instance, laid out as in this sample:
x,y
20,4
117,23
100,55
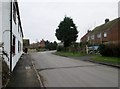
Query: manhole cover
x,y
27,67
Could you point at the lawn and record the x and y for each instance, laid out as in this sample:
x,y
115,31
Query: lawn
x,y
111,60
69,54
97,58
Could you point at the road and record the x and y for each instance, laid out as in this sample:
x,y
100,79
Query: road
x,y
57,71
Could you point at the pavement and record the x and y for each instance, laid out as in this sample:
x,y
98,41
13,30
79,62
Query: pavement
x,y
0,72
24,75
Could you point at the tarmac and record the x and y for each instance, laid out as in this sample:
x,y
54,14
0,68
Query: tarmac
x,y
24,75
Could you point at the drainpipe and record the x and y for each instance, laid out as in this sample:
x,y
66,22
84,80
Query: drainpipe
x,y
11,36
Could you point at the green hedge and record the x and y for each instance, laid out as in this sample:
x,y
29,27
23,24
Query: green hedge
x,y
109,50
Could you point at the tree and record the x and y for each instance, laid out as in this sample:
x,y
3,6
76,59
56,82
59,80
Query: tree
x,y
67,32
51,45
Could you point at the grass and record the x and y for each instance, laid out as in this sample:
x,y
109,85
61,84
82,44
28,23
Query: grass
x,y
69,54
111,60
96,58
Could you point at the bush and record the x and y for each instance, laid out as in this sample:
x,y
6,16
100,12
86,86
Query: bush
x,y
109,50
60,48
5,73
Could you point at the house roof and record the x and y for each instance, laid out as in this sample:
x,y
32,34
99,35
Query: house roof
x,y
85,35
106,26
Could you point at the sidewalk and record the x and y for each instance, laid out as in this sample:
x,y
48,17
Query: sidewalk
x,y
0,72
24,74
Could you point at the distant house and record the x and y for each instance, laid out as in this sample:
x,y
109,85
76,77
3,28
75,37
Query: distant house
x,y
42,44
12,33
61,44
106,33
26,43
86,38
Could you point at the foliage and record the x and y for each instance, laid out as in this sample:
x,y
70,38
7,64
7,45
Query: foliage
x,y
112,60
5,73
109,50
51,45
60,48
69,54
67,32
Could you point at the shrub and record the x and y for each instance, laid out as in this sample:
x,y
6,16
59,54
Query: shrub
x,y
109,50
5,73
60,48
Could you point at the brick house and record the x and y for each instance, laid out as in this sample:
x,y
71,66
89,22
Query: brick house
x,y
106,33
42,44
85,38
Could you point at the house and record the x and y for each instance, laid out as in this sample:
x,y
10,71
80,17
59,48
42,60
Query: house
x,y
86,38
12,33
106,33
26,44
42,44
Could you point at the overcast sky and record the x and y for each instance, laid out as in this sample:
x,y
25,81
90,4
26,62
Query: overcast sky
x,y
40,18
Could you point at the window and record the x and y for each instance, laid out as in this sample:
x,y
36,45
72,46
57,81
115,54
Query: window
x,y
99,35
13,45
105,34
19,46
93,37
14,12
88,38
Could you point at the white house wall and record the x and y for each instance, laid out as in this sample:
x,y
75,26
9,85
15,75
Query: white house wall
x,y
0,22
18,37
6,36
0,45
6,29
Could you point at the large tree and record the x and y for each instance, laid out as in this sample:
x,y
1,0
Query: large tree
x,y
67,31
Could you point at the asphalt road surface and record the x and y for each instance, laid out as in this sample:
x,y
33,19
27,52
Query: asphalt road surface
x,y
57,71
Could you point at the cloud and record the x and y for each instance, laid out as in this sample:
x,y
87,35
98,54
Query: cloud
x,y
40,19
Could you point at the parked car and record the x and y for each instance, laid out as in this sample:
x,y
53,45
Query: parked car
x,y
93,49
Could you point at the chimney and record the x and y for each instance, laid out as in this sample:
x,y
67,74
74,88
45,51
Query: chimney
x,y
106,21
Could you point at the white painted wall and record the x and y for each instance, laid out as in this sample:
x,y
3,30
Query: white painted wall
x,y
18,36
6,34
0,26
6,29
0,45
0,22
119,9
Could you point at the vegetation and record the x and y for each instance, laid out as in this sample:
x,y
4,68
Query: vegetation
x,y
96,58
51,45
69,54
111,60
109,50
67,32
5,73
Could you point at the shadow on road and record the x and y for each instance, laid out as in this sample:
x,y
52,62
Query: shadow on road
x,y
66,67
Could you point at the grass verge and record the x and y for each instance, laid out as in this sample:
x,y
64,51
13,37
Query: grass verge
x,y
96,58
69,54
111,60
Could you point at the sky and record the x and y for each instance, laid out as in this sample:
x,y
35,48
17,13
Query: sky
x,y
40,18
